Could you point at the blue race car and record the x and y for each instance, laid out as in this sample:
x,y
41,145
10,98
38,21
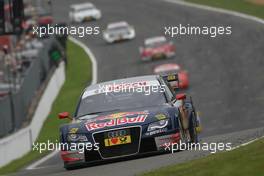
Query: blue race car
x,y
127,117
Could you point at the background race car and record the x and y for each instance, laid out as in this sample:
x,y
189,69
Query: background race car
x,y
119,31
118,122
157,48
84,12
172,68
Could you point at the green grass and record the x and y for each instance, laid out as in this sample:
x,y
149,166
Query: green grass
x,y
243,6
244,161
78,76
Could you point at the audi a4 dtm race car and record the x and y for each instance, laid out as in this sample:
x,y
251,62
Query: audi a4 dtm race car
x,y
84,12
156,48
127,117
171,68
119,31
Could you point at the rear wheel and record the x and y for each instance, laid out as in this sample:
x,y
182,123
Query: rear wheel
x,y
70,166
192,128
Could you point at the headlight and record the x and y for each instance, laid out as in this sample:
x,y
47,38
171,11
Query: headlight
x,y
106,36
76,138
99,14
158,125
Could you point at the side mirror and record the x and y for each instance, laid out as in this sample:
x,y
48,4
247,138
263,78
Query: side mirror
x,y
64,115
181,96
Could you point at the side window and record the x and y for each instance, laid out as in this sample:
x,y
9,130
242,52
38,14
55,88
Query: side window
x,y
169,93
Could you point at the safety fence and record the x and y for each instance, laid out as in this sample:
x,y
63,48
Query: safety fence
x,y
15,108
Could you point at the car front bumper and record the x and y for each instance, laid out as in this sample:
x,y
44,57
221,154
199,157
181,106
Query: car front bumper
x,y
148,145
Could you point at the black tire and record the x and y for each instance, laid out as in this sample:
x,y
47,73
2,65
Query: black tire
x,y
183,135
70,167
192,128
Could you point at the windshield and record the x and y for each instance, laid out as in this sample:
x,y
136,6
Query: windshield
x,y
156,44
168,72
82,9
113,101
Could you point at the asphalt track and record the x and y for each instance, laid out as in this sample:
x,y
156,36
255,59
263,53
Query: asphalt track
x,y
226,73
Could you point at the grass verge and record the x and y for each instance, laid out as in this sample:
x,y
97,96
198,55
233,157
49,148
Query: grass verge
x,y
247,160
244,6
78,75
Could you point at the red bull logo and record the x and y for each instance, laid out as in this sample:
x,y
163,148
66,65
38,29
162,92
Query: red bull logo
x,y
116,120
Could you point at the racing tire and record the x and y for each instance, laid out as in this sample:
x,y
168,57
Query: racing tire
x,y
70,167
192,128
183,134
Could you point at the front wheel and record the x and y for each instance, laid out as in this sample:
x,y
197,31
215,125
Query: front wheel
x,y
192,128
71,166
184,136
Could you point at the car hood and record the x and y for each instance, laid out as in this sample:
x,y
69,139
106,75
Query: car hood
x,y
118,32
87,12
117,119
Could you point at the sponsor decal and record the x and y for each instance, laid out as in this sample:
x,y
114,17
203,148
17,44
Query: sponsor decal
x,y
118,87
118,115
116,120
117,141
162,141
114,134
157,131
73,130
171,77
112,87
118,137
160,116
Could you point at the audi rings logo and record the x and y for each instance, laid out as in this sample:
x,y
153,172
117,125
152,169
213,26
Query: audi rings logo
x,y
114,134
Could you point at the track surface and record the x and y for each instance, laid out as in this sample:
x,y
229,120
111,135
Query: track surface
x,y
226,73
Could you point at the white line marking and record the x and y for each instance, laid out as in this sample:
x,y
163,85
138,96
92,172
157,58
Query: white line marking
x,y
247,143
215,9
94,81
42,160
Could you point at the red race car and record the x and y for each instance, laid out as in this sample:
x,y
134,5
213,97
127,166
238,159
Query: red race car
x,y
45,20
171,68
156,48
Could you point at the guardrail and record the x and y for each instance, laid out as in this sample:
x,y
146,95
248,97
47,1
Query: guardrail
x,y
17,107
24,138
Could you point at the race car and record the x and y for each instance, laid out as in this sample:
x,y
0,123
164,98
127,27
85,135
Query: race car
x,y
127,117
84,12
45,20
156,48
119,31
172,68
